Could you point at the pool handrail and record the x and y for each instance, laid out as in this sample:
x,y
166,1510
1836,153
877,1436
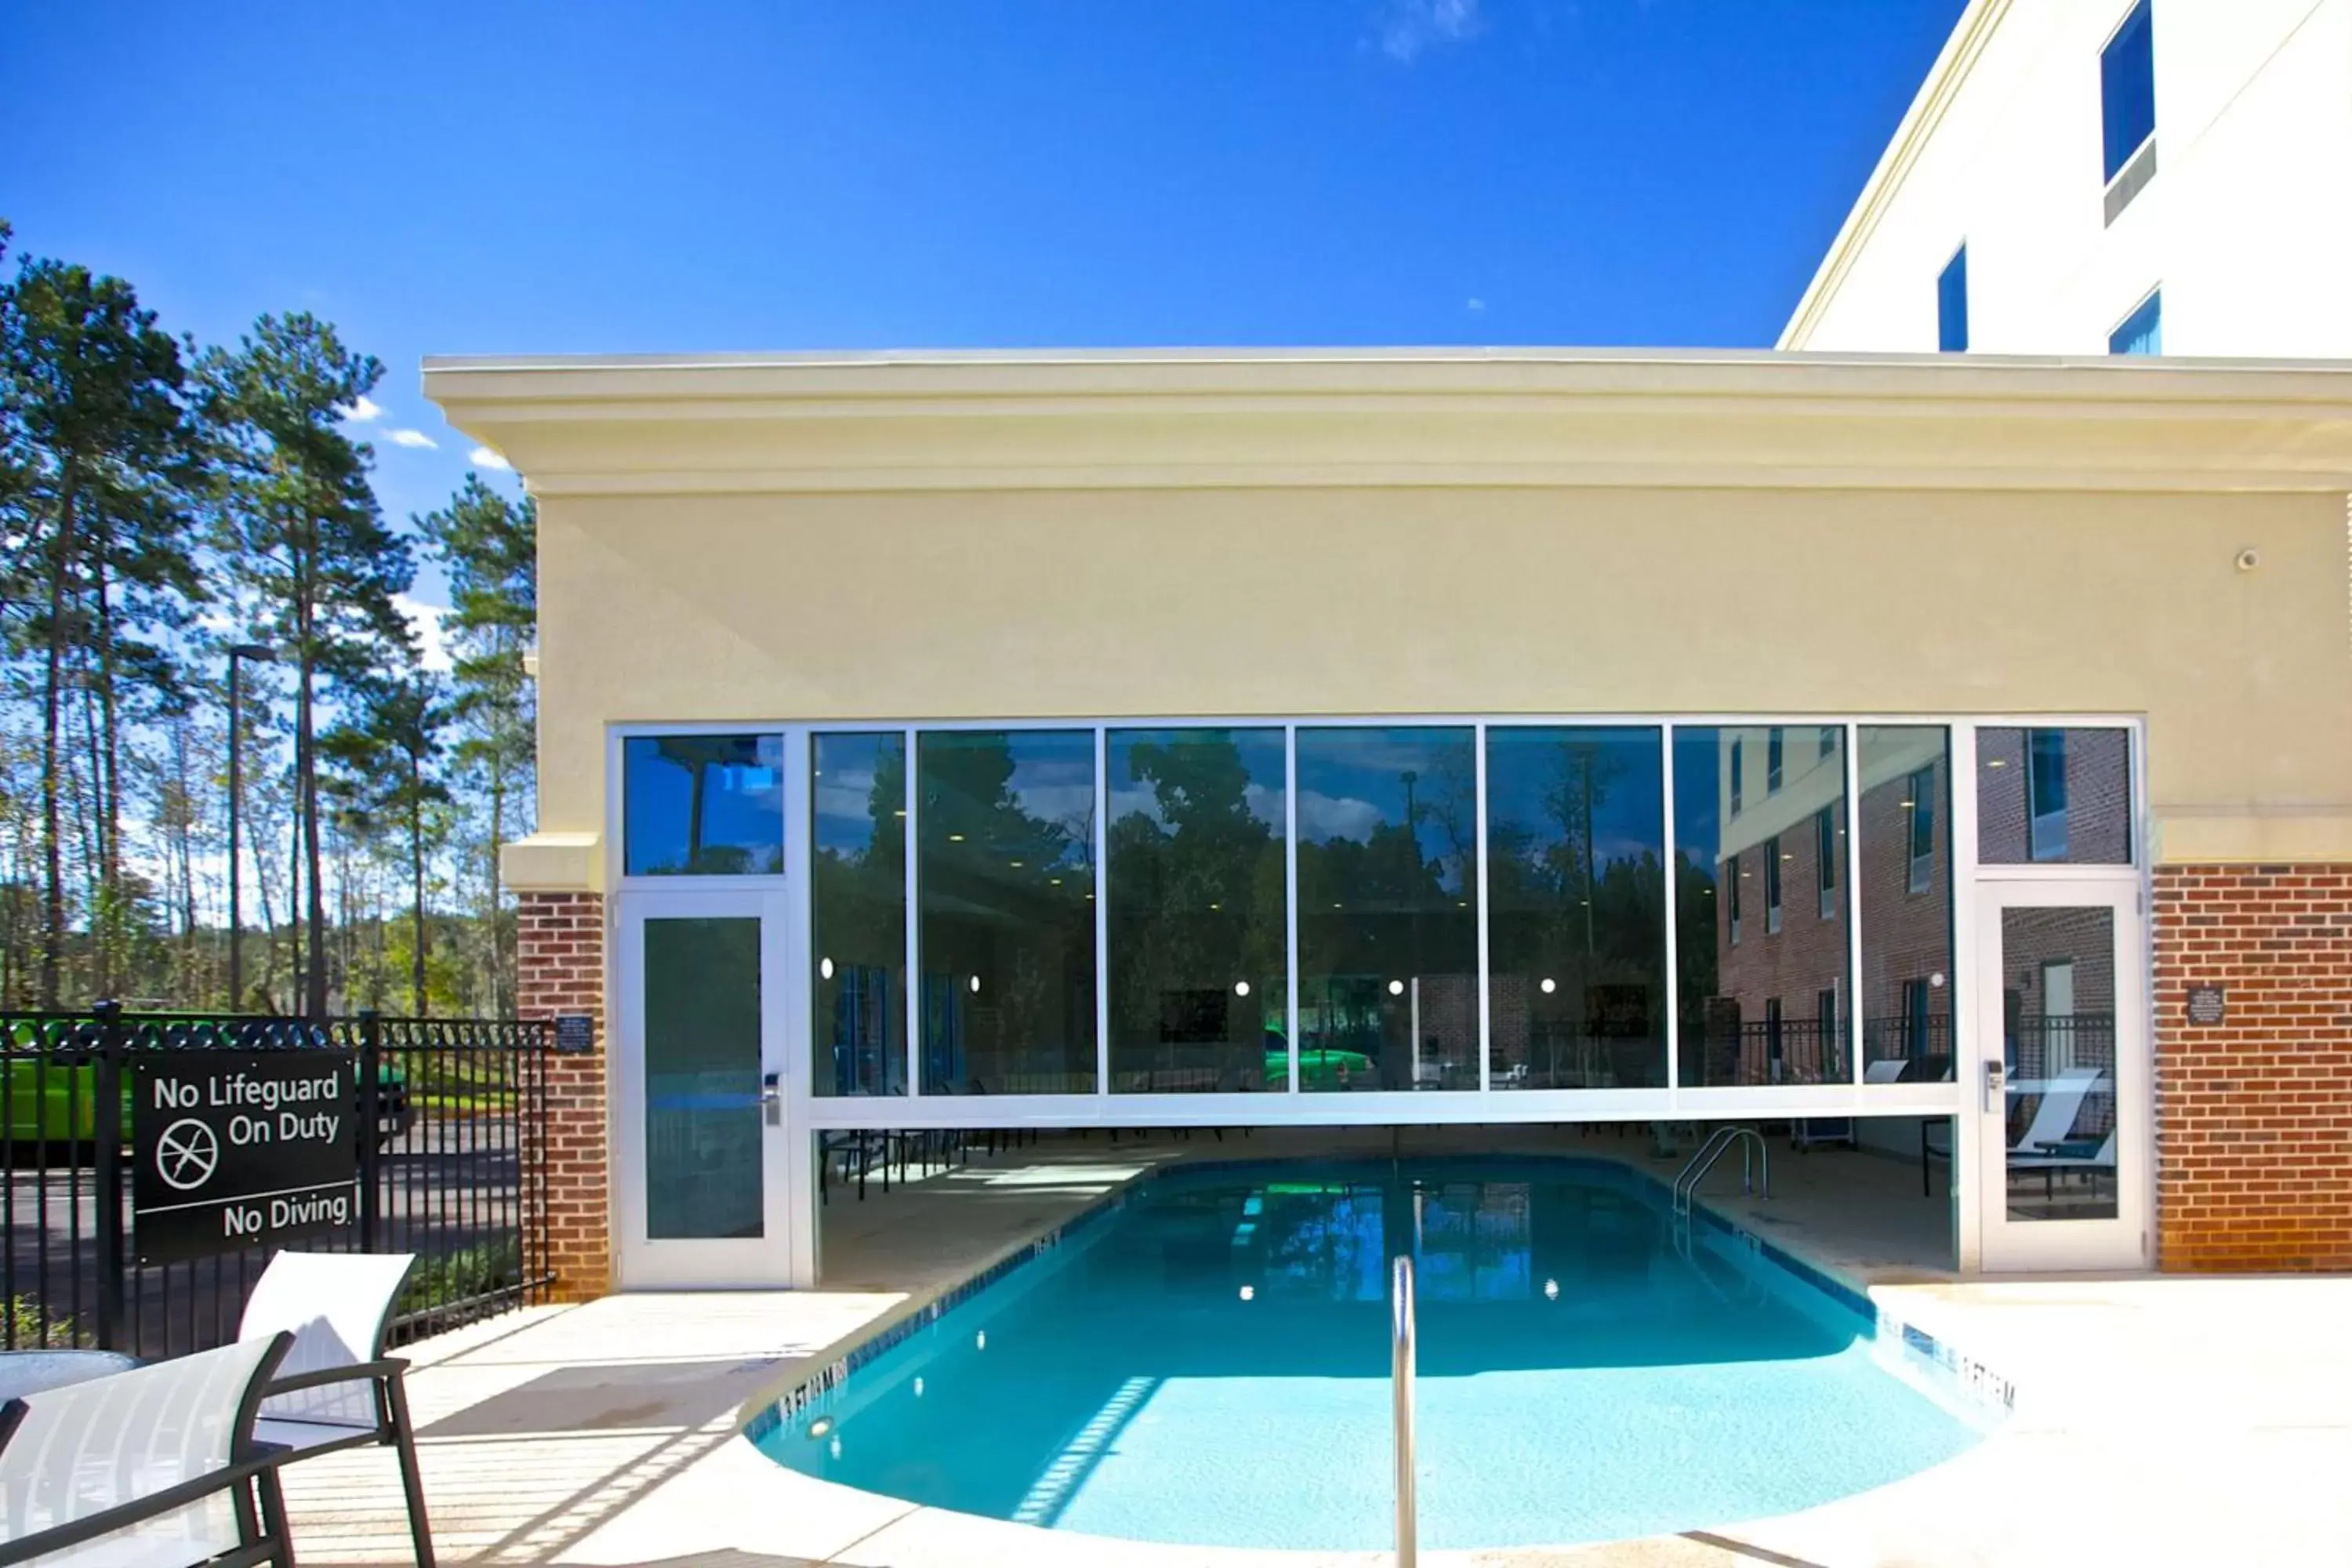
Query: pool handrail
x,y
1717,1143
1400,1375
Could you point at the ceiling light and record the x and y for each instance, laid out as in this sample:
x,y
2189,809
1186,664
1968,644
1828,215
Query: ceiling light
x,y
1396,987
1547,986
1241,987
824,968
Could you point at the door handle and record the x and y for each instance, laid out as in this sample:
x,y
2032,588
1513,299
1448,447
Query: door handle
x,y
1996,1085
772,1097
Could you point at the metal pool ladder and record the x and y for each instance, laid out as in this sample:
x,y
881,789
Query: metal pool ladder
x,y
1401,1371
1718,1143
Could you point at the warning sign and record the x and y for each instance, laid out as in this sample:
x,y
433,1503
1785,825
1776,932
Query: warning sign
x,y
236,1149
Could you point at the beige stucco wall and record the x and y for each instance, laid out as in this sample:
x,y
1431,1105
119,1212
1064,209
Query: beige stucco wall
x,y
1362,601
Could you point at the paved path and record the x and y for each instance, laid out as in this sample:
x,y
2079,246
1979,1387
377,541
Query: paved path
x,y
2158,1421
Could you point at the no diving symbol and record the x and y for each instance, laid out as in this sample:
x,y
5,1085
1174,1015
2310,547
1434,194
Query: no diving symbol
x,y
187,1153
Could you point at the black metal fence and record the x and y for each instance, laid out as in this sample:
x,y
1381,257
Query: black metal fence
x,y
452,1124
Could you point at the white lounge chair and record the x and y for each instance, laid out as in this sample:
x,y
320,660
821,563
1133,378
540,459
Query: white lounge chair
x,y
2053,1119
154,1467
2053,1164
337,1388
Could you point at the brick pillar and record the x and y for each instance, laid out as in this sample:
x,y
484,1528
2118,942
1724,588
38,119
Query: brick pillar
x,y
2254,1113
562,970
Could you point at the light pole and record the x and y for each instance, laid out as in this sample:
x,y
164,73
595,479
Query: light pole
x,y
259,655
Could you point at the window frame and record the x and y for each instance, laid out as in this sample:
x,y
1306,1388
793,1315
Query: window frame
x,y
605,877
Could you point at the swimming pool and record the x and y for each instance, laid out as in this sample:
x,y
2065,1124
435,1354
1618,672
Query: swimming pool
x,y
1208,1364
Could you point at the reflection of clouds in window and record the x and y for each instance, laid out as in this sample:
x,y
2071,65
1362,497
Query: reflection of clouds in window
x,y
1262,802
1322,818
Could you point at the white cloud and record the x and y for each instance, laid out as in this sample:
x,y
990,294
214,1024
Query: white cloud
x,y
410,439
483,457
425,621
1406,28
361,411
1323,816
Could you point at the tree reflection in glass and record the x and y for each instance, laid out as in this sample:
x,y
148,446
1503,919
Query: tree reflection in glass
x,y
1387,936
1196,923
1577,908
859,893
1006,884
702,805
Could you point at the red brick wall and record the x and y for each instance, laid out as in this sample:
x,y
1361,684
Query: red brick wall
x,y
561,964
2254,1114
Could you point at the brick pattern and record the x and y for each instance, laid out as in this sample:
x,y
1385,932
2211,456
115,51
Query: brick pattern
x,y
2254,1114
562,970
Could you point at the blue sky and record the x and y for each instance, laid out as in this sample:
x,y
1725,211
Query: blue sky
x,y
448,178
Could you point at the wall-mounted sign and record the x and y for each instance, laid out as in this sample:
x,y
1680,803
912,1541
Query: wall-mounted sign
x,y
575,1034
236,1149
2207,1005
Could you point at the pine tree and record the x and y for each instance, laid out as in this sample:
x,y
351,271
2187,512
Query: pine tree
x,y
489,546
384,755
94,523
302,527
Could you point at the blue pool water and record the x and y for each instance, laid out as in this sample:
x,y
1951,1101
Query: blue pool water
x,y
1209,1365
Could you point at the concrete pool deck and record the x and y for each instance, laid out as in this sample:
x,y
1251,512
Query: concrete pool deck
x,y
2157,1420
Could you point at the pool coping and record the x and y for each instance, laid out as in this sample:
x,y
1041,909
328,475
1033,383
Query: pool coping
x,y
775,1404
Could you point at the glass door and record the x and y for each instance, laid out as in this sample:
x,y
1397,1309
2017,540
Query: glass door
x,y
699,1166
2062,1076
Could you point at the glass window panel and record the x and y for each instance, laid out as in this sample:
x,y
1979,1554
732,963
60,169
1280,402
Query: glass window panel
x,y
858,894
2142,332
1388,937
2063,796
2058,1025
1906,904
2127,90
1198,916
1759,1003
1952,305
703,1155
1576,928
1006,833
703,805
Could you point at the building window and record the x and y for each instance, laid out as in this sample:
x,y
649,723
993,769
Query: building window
x,y
1731,875
1775,1042
1825,743
2045,794
1195,922
1826,1029
1917,1027
1952,305
1772,757
1738,759
1576,898
1919,801
857,897
2127,91
1773,858
2142,332
702,805
1005,873
1825,859
1387,931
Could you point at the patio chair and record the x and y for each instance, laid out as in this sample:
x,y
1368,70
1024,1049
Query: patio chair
x,y
337,1389
2056,1162
2053,1119
154,1468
